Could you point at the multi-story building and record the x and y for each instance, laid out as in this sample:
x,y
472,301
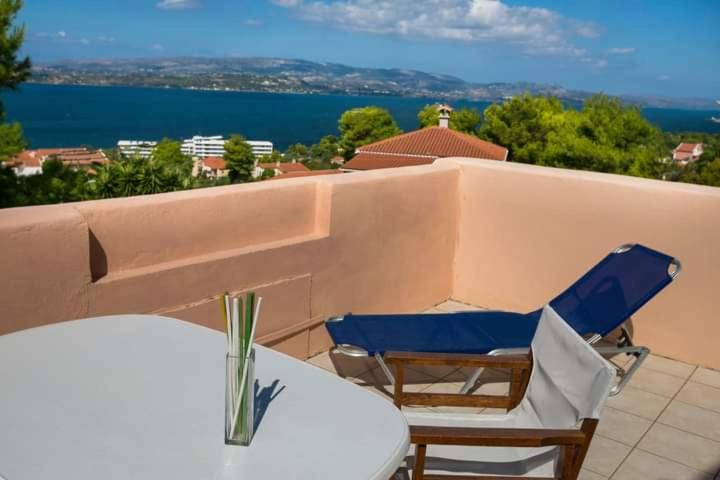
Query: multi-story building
x,y
136,148
203,147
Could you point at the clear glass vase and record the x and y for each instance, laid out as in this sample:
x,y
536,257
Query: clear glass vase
x,y
239,411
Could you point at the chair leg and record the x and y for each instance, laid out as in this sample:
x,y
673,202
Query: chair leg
x,y
385,368
470,382
419,464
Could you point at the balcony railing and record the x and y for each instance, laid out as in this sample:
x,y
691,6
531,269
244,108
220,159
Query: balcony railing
x,y
504,236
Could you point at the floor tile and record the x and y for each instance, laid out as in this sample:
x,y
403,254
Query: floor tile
x,y
646,466
454,387
669,366
605,455
706,377
656,382
701,396
343,365
588,475
623,427
455,306
690,418
639,402
682,447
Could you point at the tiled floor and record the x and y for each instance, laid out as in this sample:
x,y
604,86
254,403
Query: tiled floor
x,y
665,425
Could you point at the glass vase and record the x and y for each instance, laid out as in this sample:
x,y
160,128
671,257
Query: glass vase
x,y
239,409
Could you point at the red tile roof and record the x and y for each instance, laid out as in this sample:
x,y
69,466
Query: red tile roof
x,y
682,155
374,161
215,163
310,173
422,147
686,147
284,167
68,156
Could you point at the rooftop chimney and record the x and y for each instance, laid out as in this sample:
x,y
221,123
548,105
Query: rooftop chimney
x,y
444,115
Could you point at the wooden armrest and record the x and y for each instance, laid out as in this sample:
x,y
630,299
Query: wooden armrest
x,y
495,437
459,360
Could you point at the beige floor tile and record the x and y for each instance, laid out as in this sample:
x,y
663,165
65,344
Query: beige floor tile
x,y
646,466
656,382
605,455
455,306
690,418
701,395
343,365
588,475
706,377
639,402
450,387
375,378
669,366
623,427
436,371
682,447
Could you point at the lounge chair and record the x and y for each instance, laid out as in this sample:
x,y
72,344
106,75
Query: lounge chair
x,y
568,384
597,304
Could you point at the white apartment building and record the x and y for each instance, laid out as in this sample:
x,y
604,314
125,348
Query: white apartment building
x,y
203,147
136,148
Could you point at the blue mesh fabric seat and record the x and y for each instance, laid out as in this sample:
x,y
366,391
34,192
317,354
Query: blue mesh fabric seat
x,y
598,303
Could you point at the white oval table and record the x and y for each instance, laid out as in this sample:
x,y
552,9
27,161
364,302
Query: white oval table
x,y
142,397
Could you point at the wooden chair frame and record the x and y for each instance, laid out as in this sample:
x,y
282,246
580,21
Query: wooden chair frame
x,y
574,443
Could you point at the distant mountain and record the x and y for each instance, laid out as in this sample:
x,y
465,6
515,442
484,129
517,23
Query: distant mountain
x,y
302,76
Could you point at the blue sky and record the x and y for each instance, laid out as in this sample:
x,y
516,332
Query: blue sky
x,y
645,47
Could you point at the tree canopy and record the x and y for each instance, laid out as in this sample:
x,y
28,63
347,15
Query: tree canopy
x,y
239,159
168,154
463,119
361,126
604,135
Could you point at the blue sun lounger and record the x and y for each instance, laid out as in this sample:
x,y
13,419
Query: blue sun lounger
x,y
597,304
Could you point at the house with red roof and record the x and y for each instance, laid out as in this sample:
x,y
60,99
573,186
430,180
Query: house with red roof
x,y
29,162
423,147
214,167
687,153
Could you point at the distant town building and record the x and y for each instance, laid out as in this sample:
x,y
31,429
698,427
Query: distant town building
x,y
214,167
687,153
30,162
423,147
203,147
279,168
136,148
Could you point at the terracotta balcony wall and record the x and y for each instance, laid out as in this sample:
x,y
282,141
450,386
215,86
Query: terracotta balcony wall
x,y
504,236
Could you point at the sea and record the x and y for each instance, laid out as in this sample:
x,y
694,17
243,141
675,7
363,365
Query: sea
x,y
68,115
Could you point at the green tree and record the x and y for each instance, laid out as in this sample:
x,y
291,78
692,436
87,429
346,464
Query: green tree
x,y
464,119
702,173
168,154
239,159
13,71
361,126
297,153
12,140
604,136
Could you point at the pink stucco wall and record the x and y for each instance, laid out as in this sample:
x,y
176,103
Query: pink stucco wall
x,y
497,235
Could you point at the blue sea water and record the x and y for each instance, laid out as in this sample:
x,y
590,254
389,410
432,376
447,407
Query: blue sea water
x,y
63,115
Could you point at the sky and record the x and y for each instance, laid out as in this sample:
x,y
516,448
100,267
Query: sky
x,y
641,47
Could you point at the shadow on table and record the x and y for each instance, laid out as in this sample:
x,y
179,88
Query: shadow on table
x,y
263,397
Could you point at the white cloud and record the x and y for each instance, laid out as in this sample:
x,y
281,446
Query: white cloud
x,y
177,4
157,47
536,30
663,78
622,51
62,34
